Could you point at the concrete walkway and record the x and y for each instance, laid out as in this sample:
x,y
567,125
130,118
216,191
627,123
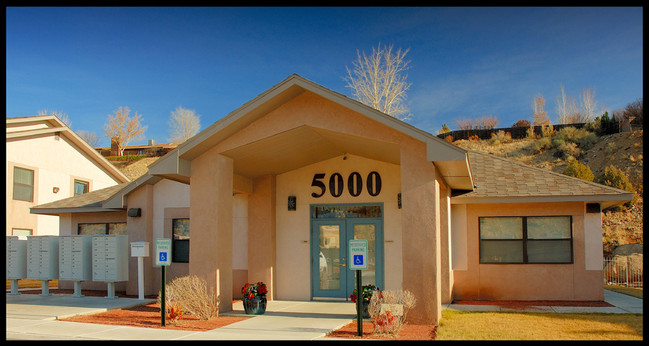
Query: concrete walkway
x,y
33,317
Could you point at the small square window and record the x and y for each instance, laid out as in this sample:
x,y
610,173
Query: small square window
x,y
80,187
23,189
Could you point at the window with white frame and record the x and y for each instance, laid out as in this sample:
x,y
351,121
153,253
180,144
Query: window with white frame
x,y
526,239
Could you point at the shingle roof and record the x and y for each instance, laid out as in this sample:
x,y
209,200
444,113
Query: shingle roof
x,y
499,177
91,199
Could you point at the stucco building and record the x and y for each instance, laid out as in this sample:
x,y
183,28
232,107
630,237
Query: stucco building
x,y
273,192
47,161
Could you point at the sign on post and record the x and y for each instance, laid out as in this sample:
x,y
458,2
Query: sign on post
x,y
163,252
358,255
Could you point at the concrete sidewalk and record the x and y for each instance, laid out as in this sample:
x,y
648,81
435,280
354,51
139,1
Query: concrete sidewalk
x,y
33,317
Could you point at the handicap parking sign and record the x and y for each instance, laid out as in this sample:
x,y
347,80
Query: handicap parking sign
x,y
358,254
162,248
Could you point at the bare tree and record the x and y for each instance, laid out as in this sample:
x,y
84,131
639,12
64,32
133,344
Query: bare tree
x,y
62,116
122,129
588,105
566,108
538,108
90,137
183,124
379,81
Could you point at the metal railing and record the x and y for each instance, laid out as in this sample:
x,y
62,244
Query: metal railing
x,y
623,270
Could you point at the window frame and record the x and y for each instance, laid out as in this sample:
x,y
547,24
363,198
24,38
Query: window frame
x,y
14,183
174,254
106,225
74,187
524,239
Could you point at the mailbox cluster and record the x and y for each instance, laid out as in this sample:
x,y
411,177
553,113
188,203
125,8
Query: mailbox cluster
x,y
71,257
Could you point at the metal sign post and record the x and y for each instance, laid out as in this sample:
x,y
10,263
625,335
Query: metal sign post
x,y
163,259
358,254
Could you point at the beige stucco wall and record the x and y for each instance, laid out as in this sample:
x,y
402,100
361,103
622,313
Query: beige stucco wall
x,y
211,211
293,227
56,163
581,280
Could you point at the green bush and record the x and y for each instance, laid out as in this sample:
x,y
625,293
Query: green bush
x,y
541,144
614,177
579,170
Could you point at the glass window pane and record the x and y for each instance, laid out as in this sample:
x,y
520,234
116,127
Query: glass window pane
x,y
346,211
180,249
180,228
329,238
21,232
92,228
548,251
506,251
367,232
23,176
501,228
23,186
117,228
80,187
554,227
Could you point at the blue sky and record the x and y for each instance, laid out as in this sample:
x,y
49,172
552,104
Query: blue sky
x,y
465,62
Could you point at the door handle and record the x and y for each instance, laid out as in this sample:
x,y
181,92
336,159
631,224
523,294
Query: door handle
x,y
343,264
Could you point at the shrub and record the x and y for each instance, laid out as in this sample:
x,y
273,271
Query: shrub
x,y
449,138
530,133
547,130
579,170
474,138
614,177
500,137
388,310
567,151
541,144
189,294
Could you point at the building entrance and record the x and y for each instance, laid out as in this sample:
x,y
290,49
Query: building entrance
x,y
332,226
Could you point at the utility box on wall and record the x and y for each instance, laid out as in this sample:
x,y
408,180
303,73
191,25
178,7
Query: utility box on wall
x,y
42,257
110,258
75,257
16,258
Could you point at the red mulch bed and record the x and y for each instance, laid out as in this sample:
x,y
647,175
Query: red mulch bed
x,y
407,332
148,316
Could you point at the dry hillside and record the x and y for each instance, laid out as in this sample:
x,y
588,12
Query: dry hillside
x,y
623,150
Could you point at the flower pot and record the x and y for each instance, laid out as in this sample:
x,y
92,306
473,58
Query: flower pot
x,y
255,306
366,313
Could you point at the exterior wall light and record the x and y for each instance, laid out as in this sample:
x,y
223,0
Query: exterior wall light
x,y
55,189
134,212
292,203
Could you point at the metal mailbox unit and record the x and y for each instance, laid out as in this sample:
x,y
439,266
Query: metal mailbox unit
x,y
110,260
75,260
16,261
43,259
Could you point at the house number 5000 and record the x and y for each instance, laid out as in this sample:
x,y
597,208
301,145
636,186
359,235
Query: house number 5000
x,y
354,184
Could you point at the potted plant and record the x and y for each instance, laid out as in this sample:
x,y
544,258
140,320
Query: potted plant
x,y
254,298
367,291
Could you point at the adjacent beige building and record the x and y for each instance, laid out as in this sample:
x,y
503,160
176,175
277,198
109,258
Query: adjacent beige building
x,y
275,190
46,162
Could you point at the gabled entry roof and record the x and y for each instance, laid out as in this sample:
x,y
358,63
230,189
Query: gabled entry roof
x,y
451,161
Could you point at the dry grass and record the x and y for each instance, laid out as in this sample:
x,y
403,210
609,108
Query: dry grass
x,y
29,283
630,291
190,294
465,325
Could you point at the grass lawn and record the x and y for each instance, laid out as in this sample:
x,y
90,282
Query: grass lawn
x,y
468,325
634,292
